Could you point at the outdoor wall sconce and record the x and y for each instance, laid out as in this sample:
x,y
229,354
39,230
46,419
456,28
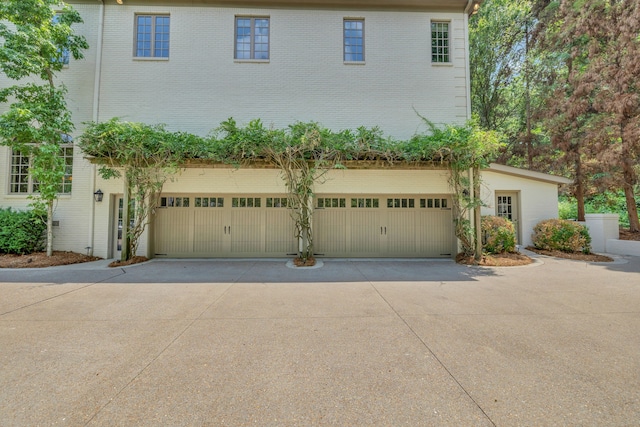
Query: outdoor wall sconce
x,y
98,195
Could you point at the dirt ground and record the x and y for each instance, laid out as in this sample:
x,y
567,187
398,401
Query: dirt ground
x,y
40,259
628,235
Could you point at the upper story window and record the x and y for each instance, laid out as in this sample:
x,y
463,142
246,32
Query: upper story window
x,y
354,40
152,36
64,53
440,42
20,180
252,38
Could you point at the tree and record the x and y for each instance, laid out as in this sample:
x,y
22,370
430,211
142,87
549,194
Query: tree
x,y
613,28
497,35
35,44
594,108
304,158
507,79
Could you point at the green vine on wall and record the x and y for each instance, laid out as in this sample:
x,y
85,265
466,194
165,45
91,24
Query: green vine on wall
x,y
303,152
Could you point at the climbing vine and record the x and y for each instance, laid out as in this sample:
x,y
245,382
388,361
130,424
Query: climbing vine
x,y
303,152
145,156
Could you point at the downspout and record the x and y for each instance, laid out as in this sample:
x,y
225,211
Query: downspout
x,y
94,118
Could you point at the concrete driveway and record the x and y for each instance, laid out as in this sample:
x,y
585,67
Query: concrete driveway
x,y
389,343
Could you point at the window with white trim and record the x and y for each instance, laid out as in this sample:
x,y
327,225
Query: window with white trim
x,y
21,181
353,31
252,38
440,42
152,36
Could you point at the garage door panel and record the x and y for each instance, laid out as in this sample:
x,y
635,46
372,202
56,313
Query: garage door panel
x,y
330,231
210,231
400,233
434,231
385,225
246,231
218,225
280,232
365,231
177,226
356,226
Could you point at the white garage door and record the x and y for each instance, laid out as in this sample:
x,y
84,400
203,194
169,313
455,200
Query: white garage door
x,y
210,225
384,226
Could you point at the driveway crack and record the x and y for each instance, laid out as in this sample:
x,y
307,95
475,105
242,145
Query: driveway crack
x,y
426,346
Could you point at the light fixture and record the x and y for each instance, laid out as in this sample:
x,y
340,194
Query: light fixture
x,y
119,1
98,195
476,6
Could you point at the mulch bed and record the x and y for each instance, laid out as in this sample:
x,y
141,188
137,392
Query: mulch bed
x,y
511,259
579,256
134,260
40,259
310,262
625,234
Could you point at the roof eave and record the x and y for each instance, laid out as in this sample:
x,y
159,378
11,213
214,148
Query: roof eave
x,y
525,173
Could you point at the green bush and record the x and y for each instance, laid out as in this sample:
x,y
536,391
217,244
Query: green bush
x,y
561,235
21,232
498,235
607,202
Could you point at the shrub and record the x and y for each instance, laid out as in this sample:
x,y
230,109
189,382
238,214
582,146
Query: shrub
x,y
498,235
21,232
561,235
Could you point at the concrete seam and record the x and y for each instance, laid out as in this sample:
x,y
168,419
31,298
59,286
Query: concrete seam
x,y
426,346
163,350
59,295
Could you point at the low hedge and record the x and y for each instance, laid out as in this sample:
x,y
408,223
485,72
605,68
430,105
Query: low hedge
x,y
561,235
498,235
21,232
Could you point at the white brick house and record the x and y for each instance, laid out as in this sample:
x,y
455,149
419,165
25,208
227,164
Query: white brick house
x,y
192,65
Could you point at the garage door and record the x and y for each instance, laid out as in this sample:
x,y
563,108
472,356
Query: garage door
x,y
384,226
214,225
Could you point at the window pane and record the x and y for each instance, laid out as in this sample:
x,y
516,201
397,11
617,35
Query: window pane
x,y
354,40
152,36
440,41
252,38
143,36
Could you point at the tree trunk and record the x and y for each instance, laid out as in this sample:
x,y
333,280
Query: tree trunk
x,y
632,209
579,193
125,255
477,218
49,227
306,239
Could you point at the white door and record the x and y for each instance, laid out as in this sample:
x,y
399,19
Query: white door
x,y
117,229
507,207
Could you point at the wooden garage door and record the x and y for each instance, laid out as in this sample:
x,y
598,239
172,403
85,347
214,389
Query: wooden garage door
x,y
384,226
214,225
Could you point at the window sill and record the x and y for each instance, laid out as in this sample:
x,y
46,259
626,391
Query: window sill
x,y
251,61
354,63
149,58
442,64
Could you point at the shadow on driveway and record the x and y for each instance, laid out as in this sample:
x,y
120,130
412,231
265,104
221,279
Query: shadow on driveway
x,y
252,271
